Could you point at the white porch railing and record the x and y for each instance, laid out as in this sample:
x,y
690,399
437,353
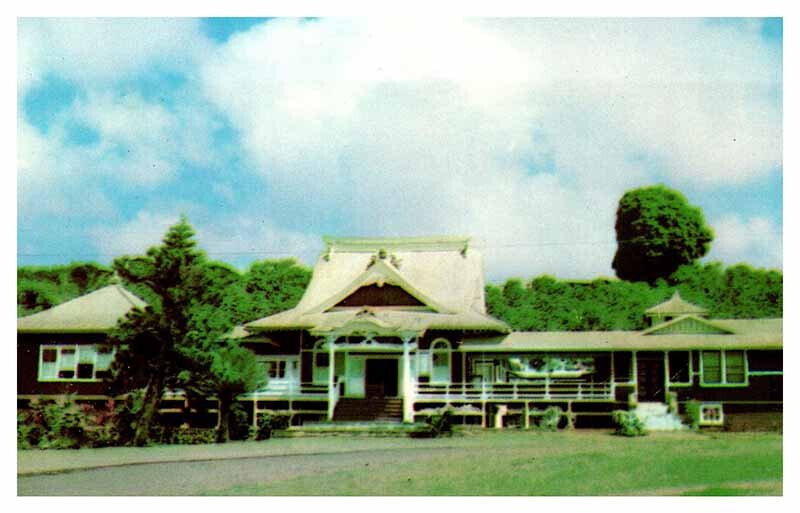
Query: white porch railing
x,y
290,389
533,390
538,390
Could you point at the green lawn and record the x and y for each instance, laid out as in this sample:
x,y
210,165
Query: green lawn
x,y
576,463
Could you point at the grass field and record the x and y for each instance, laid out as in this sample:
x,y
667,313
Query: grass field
x,y
563,464
489,463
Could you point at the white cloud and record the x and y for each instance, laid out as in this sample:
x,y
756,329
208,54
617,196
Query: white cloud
x,y
243,238
133,237
235,238
757,241
92,51
140,145
51,178
522,133
413,127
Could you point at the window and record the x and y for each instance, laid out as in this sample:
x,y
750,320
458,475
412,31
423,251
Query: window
x,y
440,361
321,360
320,363
423,363
276,369
723,368
483,371
680,371
75,362
711,414
734,367
623,367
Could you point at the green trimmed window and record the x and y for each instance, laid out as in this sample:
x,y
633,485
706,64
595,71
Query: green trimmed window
x,y
734,367
723,368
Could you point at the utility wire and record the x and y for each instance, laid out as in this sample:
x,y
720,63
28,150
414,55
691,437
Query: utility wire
x,y
288,253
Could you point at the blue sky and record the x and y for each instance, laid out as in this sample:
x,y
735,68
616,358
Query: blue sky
x,y
268,133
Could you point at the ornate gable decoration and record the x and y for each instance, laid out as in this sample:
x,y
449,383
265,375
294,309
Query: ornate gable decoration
x,y
380,273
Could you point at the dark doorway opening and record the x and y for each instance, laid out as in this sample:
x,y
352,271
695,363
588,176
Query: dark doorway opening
x,y
650,376
381,377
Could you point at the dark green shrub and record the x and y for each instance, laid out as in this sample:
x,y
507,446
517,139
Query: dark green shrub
x,y
182,435
65,424
57,424
101,425
442,423
693,413
436,424
268,422
551,418
186,435
628,424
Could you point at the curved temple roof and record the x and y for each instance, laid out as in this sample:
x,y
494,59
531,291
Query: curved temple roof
x,y
443,273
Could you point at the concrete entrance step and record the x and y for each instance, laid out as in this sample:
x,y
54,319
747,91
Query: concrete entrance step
x,y
369,409
656,417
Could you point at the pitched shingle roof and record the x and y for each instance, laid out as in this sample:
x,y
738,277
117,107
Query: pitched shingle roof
x,y
96,312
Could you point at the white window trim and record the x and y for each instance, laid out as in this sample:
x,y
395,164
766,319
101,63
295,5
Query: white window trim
x,y
76,348
724,370
289,372
449,351
669,371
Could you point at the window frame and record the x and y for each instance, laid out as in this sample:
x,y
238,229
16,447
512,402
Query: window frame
x,y
290,366
77,349
719,421
690,370
319,348
724,382
446,348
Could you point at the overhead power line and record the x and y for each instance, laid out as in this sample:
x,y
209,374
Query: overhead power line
x,y
272,252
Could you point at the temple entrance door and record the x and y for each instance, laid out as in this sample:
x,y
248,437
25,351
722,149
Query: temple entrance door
x,y
650,376
381,377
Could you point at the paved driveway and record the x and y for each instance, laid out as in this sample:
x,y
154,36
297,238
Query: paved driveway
x,y
206,477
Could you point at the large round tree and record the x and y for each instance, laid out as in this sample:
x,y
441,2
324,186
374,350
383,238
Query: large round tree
x,y
657,232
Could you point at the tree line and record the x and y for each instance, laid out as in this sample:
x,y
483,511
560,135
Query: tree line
x,y
547,304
